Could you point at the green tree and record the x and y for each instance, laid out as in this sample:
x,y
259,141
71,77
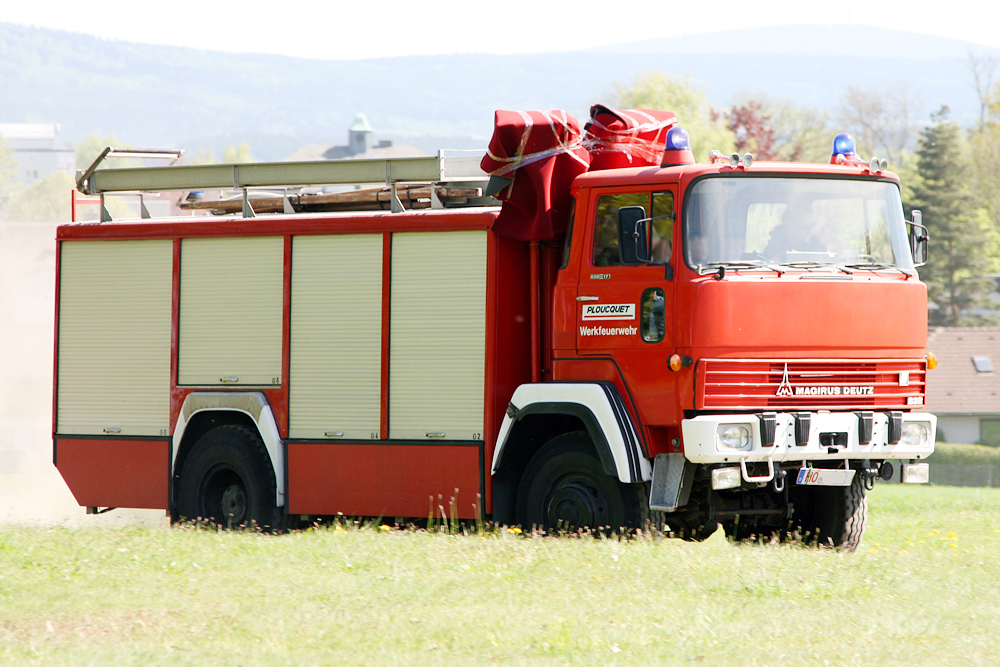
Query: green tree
x,y
230,155
654,90
241,153
983,69
92,146
47,200
204,156
984,141
881,119
960,232
797,134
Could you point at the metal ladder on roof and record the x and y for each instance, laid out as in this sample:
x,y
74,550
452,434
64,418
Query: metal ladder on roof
x,y
458,178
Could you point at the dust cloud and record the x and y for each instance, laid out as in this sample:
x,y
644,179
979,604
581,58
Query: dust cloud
x,y
31,489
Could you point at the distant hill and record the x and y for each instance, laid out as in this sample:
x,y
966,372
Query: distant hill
x,y
170,96
808,40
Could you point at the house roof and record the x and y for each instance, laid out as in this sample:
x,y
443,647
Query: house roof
x,y
383,151
326,152
955,386
12,131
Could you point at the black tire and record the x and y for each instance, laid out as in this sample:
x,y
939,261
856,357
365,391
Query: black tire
x,y
834,515
228,480
748,530
565,488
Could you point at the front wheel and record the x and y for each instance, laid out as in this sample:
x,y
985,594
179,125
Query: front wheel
x,y
228,481
565,487
833,515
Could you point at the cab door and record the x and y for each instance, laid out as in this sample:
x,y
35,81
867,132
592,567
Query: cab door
x,y
625,310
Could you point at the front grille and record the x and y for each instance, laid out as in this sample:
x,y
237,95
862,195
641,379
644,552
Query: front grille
x,y
780,385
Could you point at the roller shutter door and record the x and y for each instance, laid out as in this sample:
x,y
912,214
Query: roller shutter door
x,y
114,337
437,335
336,337
230,314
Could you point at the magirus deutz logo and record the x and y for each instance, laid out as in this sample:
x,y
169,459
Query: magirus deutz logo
x,y
786,389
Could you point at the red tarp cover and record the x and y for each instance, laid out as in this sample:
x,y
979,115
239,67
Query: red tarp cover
x,y
619,138
543,152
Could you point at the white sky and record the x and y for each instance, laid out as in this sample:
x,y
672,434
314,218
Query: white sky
x,y
353,29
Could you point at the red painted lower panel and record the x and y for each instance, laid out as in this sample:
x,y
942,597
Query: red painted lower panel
x,y
416,475
115,473
382,479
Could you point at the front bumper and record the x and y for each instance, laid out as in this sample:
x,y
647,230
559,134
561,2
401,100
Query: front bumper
x,y
808,436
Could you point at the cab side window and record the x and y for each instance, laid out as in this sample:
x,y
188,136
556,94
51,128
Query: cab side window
x,y
606,251
658,205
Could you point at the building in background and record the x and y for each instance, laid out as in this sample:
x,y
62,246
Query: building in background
x,y
39,150
964,390
359,146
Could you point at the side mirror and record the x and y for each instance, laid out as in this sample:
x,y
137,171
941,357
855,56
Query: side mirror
x,y
918,239
632,235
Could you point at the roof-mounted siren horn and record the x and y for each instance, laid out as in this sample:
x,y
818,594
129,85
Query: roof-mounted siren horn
x,y
877,166
844,149
678,148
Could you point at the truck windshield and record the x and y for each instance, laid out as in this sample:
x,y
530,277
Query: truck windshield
x,y
749,221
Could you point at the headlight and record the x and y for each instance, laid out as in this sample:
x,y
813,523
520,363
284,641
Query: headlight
x,y
726,478
734,436
915,433
916,473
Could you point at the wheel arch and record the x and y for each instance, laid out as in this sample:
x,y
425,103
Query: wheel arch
x,y
537,423
203,411
539,412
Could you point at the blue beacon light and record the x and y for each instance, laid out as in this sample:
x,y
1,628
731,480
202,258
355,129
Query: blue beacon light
x,y
677,150
678,139
843,145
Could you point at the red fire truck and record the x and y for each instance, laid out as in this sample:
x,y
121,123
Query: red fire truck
x,y
631,337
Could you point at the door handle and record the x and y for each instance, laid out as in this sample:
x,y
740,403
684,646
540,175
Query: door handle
x,y
588,298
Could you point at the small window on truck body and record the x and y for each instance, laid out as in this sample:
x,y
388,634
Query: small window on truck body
x,y
658,205
653,315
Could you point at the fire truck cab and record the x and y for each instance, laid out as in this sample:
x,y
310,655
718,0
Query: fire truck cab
x,y
769,384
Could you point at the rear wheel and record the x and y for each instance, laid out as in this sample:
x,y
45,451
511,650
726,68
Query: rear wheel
x,y
228,481
565,487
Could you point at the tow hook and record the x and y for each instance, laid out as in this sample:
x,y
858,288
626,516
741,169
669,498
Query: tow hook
x,y
869,474
778,483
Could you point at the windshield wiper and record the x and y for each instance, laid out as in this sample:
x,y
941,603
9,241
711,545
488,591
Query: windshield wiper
x,y
711,267
872,266
819,265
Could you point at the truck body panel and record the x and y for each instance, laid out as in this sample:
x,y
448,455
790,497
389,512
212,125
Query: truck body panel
x,y
315,329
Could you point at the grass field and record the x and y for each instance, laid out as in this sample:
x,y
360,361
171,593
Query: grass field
x,y
922,590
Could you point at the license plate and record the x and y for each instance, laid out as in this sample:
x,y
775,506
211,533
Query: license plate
x,y
824,477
